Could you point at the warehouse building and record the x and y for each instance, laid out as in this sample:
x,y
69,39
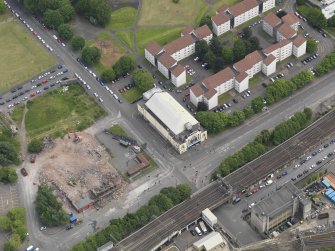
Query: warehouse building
x,y
280,207
171,120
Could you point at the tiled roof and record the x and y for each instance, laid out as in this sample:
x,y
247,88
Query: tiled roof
x,y
272,19
275,46
210,93
241,76
299,40
248,62
290,18
219,78
202,32
242,7
178,44
153,48
166,60
187,30
286,31
220,18
176,71
222,9
269,59
197,90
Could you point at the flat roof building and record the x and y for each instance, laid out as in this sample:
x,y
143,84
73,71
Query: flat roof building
x,y
281,206
172,121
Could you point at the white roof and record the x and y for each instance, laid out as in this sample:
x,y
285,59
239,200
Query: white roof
x,y
147,95
170,112
208,213
210,241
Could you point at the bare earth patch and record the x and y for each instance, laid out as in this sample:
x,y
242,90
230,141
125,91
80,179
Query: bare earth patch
x,y
110,53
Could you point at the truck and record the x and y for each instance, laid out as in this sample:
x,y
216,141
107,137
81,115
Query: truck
x,y
73,218
203,227
323,216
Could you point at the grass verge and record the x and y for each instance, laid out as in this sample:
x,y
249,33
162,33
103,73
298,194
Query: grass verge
x,y
161,36
256,79
223,98
127,37
58,110
104,36
122,18
132,95
117,130
21,57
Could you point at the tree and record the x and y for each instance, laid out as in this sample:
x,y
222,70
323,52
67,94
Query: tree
x,y
35,146
53,19
210,58
126,64
215,46
143,80
331,21
227,54
77,43
67,11
108,75
2,7
48,208
252,44
201,48
8,175
8,154
103,13
91,55
65,31
311,46
239,49
300,2
202,106
206,20
316,18
247,32
218,64
257,104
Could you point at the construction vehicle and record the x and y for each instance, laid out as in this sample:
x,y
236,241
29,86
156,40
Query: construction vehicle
x,y
32,158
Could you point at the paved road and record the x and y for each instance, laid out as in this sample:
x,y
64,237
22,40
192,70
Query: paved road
x,y
202,158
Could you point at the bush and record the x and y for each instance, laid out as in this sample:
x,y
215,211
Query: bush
x,y
8,175
35,146
77,43
65,31
91,55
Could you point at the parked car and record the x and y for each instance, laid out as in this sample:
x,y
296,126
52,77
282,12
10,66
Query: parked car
x,y
23,171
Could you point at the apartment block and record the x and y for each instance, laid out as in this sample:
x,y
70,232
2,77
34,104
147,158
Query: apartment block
x,y
285,32
299,46
271,21
280,50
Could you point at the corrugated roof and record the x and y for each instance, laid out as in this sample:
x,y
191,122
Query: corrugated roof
x,y
269,59
290,18
272,19
170,112
298,41
220,18
202,32
176,71
178,44
275,46
219,78
209,242
249,61
153,48
286,31
166,60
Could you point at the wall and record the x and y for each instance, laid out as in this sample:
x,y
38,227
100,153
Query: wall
x,y
149,57
163,70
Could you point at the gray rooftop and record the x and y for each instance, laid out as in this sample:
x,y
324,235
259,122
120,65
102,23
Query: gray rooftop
x,y
278,201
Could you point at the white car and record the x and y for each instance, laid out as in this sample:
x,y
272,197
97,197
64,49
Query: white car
x,y
106,87
111,92
52,77
101,100
39,91
88,87
63,45
43,228
115,96
93,74
251,205
33,87
10,106
39,38
95,94
55,37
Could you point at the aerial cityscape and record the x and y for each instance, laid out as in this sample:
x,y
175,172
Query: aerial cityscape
x,y
173,125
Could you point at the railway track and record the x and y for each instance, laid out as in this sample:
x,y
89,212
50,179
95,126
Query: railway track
x,y
282,154
149,236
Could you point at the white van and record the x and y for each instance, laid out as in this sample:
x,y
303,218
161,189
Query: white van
x,y
198,231
30,248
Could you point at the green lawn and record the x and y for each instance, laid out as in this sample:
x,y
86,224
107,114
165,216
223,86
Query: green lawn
x,y
132,95
122,18
56,111
104,36
165,12
5,16
6,134
117,130
224,98
256,79
21,56
99,67
161,36
219,3
127,37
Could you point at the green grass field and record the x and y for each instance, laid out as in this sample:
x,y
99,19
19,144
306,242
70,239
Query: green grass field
x,y
256,79
6,134
224,98
21,56
165,12
122,18
56,111
161,36
117,130
5,16
132,95
127,37
104,36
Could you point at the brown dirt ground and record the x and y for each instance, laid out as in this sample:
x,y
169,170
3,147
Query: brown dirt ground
x,y
86,165
110,53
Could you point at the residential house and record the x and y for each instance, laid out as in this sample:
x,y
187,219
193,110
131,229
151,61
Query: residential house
x,y
151,51
292,20
280,50
251,64
269,65
267,5
180,48
270,21
285,32
243,11
178,75
220,23
165,62
299,46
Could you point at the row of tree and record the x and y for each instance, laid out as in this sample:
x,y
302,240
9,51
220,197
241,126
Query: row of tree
x,y
126,64
98,12
218,56
14,222
48,208
264,141
2,7
327,64
122,227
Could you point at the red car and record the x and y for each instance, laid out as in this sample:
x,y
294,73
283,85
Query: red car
x,y
45,81
255,190
32,95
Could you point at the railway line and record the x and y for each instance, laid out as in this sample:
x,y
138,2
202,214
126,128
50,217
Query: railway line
x,y
282,154
215,194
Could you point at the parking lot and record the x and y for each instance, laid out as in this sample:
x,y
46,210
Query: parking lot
x,y
9,198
